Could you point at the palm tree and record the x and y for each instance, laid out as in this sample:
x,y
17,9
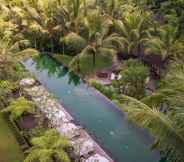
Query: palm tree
x,y
133,31
98,42
35,19
166,128
162,112
7,64
6,88
10,53
48,20
19,107
111,7
171,89
163,43
48,147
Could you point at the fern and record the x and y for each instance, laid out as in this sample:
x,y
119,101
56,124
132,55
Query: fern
x,y
47,147
20,106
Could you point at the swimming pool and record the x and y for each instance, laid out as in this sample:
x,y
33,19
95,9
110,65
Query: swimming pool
x,y
100,117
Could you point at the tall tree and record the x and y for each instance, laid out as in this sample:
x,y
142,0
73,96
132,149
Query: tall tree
x,y
133,30
163,43
98,38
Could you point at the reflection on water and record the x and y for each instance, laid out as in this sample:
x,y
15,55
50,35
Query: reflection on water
x,y
53,68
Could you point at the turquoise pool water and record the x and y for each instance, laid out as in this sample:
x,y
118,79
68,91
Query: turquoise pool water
x,y
101,118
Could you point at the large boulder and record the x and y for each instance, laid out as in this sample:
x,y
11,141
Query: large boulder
x,y
27,82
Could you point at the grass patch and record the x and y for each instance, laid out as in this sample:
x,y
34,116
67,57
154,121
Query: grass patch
x,y
86,63
102,61
9,148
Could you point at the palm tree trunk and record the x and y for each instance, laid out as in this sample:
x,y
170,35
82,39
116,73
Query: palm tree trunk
x,y
63,48
78,65
139,54
96,2
85,8
94,59
59,2
52,45
76,25
35,43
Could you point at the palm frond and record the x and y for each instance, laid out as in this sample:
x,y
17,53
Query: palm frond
x,y
27,53
63,156
165,130
120,27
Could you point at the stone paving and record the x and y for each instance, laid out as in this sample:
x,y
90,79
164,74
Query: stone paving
x,y
63,122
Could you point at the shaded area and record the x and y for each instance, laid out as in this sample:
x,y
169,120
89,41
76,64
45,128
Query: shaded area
x,y
27,122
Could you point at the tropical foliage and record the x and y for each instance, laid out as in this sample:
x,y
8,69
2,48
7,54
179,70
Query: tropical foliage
x,y
164,42
140,35
48,147
167,128
162,112
6,88
133,81
19,107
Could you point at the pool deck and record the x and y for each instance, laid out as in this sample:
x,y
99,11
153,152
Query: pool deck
x,y
61,120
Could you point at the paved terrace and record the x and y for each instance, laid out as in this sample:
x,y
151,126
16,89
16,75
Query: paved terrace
x,y
84,145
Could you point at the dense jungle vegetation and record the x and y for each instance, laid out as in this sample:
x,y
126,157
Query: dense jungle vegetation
x,y
144,37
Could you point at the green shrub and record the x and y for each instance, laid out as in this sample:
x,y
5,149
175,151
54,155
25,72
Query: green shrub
x,y
20,106
74,43
106,90
134,74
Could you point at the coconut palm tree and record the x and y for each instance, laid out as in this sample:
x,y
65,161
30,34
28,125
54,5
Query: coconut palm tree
x,y
97,41
162,112
111,7
35,20
170,91
163,43
10,53
47,21
166,128
48,147
15,49
133,31
6,88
